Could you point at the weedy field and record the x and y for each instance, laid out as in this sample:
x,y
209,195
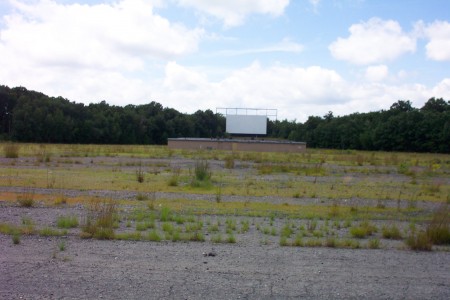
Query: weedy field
x,y
134,222
320,198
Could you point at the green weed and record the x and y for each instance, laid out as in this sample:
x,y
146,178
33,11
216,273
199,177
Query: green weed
x,y
67,222
391,232
16,238
419,241
374,243
11,150
154,236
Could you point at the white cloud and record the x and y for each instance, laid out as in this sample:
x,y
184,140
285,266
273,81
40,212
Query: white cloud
x,y
286,45
296,92
377,73
374,41
438,47
234,12
286,88
442,89
116,36
90,52
125,53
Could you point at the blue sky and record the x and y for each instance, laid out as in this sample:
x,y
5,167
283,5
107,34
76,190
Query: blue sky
x,y
302,57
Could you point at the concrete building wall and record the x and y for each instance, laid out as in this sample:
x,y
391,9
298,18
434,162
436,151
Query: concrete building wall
x,y
236,145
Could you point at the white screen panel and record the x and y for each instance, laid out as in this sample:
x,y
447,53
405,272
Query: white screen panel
x,y
243,124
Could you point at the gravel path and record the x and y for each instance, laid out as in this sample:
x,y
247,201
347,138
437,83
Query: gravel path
x,y
93,269
132,195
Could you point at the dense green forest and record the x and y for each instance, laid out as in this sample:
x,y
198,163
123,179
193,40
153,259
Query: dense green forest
x,y
29,116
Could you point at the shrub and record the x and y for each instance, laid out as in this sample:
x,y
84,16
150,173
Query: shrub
x,y
11,150
196,237
16,238
47,231
173,180
26,199
154,236
100,219
67,222
374,243
104,233
286,231
167,227
419,241
216,238
331,242
229,162
231,239
129,236
141,197
245,226
140,175
141,226
219,194
392,232
165,214
313,243
349,243
298,241
363,230
62,245
202,171
438,230
283,241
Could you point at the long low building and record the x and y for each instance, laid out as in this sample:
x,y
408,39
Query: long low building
x,y
236,145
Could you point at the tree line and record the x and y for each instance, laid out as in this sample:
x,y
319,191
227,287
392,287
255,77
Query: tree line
x,y
30,116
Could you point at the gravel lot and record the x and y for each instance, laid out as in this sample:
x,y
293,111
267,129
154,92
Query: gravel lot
x,y
37,268
93,269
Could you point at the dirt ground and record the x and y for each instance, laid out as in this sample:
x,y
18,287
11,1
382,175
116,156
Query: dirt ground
x,y
93,269
37,268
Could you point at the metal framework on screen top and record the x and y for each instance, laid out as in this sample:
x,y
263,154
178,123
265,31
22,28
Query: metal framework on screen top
x,y
271,113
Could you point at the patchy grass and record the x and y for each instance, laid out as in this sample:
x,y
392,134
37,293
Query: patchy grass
x,y
67,222
99,220
419,241
363,230
26,199
438,230
11,150
325,178
391,232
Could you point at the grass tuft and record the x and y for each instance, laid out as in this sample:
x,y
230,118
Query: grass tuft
x,y
99,221
419,241
26,199
438,230
16,238
11,150
364,229
67,222
391,232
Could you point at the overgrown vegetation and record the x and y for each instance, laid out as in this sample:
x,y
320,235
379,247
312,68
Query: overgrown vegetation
x,y
320,198
67,221
99,220
26,199
11,150
438,231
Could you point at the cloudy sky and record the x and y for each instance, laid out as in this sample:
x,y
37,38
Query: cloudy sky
x,y
302,57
